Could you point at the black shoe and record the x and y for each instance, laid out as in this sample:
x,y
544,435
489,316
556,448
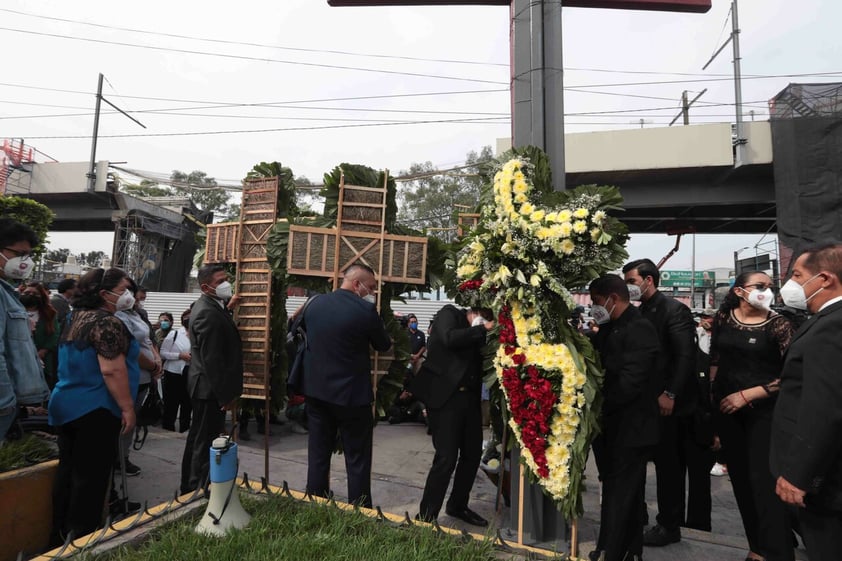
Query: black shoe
x,y
170,428
468,516
595,555
131,469
658,536
426,518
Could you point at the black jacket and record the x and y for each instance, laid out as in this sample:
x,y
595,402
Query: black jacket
x,y
806,443
453,349
676,363
216,367
341,328
628,347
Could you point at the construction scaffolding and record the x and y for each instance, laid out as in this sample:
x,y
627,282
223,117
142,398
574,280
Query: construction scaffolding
x,y
807,100
15,167
141,245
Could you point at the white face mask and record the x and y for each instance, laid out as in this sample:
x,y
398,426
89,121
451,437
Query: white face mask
x,y
478,320
601,314
369,297
224,290
125,301
761,299
18,268
793,293
634,292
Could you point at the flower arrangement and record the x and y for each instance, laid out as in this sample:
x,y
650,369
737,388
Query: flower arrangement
x,y
522,261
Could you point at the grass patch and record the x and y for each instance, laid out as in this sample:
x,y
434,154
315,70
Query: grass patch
x,y
27,451
285,529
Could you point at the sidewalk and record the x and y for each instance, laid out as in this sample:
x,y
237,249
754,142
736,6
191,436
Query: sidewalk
x,y
402,456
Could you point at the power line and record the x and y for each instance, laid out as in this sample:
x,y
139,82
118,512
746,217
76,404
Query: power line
x,y
252,58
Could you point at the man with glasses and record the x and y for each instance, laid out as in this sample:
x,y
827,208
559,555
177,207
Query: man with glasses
x,y
21,379
341,326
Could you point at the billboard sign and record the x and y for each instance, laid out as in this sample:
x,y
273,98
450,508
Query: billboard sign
x,y
681,279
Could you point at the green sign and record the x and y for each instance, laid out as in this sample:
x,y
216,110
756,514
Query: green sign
x,y
683,278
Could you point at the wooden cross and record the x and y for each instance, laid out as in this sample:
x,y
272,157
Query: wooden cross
x,y
244,244
359,236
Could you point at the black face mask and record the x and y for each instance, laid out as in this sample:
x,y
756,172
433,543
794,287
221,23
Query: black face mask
x,y
185,322
30,300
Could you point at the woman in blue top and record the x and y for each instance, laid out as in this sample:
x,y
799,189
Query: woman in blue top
x,y
94,398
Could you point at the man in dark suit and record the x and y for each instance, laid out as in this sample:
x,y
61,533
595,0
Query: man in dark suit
x,y
341,326
806,441
628,346
215,377
453,372
677,401
65,291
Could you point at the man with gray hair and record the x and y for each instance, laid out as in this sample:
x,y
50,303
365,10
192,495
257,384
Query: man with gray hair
x,y
806,440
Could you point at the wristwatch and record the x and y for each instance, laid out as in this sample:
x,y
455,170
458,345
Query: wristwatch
x,y
670,395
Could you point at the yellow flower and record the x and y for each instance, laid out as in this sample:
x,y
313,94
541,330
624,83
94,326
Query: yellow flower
x,y
565,216
567,247
537,216
580,226
598,217
467,270
565,228
520,187
535,280
595,233
520,198
581,213
552,217
503,274
527,209
543,233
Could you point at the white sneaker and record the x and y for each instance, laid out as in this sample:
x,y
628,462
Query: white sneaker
x,y
718,470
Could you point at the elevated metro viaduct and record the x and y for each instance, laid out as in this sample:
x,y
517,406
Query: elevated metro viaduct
x,y
154,244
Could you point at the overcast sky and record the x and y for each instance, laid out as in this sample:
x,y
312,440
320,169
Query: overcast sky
x,y
221,86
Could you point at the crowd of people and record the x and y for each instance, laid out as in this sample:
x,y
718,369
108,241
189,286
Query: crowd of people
x,y
741,387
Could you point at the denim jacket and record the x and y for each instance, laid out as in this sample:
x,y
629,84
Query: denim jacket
x,y
19,368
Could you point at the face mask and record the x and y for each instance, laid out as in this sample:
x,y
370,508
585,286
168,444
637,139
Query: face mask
x,y
477,321
600,314
18,267
125,301
369,297
165,325
224,290
634,292
413,325
33,318
761,299
140,304
793,293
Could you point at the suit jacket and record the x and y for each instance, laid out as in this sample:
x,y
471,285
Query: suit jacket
x,y
806,443
216,366
628,347
341,327
676,365
452,349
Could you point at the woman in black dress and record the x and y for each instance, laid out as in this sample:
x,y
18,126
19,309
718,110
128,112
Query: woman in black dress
x,y
747,348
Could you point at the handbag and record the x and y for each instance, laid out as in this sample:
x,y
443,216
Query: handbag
x,y
297,338
151,409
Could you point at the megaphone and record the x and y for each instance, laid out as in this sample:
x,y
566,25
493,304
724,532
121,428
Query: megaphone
x,y
224,510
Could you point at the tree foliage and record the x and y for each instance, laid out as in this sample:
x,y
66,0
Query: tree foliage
x,y
29,212
432,202
203,191
146,188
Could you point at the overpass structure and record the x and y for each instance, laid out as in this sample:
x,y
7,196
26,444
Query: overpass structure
x,y
155,244
680,178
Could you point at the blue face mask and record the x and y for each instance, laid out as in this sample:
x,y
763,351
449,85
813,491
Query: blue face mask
x,y
413,325
165,325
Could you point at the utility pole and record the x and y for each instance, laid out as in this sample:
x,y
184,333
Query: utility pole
x,y
734,39
685,107
99,99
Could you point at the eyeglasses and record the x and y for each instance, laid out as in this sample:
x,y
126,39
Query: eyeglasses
x,y
18,252
758,286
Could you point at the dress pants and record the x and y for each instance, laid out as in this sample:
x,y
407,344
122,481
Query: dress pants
x,y
208,423
87,448
745,439
176,398
822,533
697,460
354,425
622,471
457,437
